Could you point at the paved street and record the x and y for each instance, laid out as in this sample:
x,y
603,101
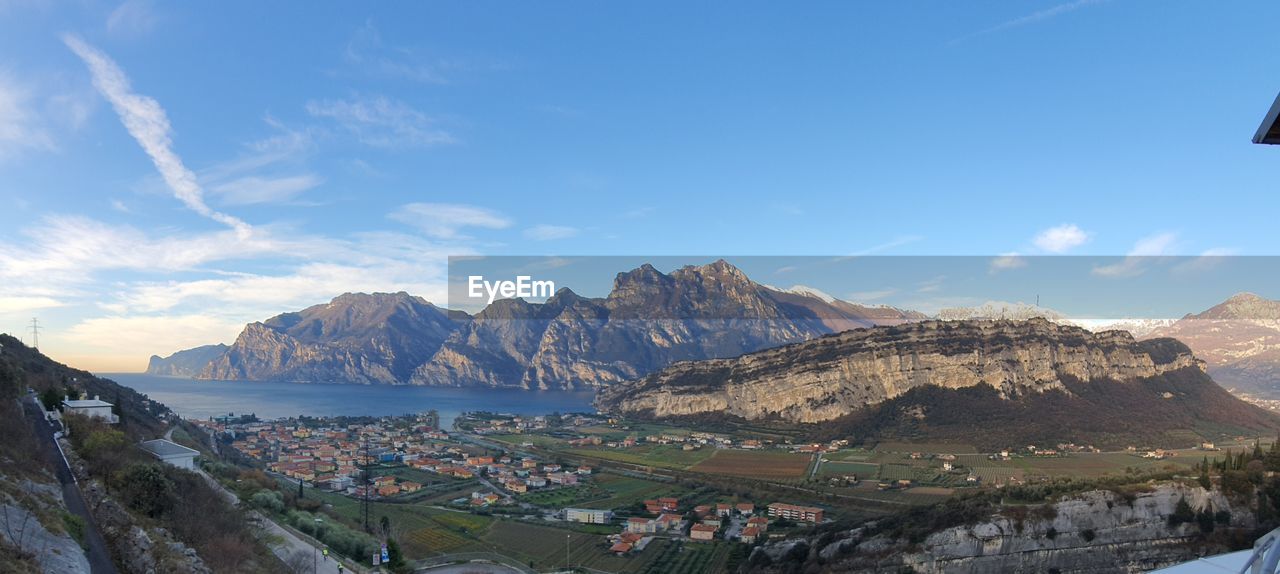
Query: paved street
x,y
97,553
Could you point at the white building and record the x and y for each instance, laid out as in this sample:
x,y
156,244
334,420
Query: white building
x,y
172,453
587,516
94,407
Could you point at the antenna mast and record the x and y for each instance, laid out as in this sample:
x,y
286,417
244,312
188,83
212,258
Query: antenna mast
x,y
35,333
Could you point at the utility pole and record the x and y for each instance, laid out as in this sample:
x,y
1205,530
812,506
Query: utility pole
x,y
35,333
367,482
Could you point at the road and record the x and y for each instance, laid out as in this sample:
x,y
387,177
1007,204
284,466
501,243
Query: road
x,y
96,547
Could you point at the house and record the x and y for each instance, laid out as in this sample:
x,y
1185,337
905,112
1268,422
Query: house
x,y
642,525
703,532
516,486
758,522
409,486
93,408
749,535
794,512
723,509
669,504
621,548
745,508
669,521
563,478
587,516
169,452
389,490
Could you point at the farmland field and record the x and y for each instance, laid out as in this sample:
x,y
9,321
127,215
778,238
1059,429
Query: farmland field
x,y
625,490
925,447
863,470
755,464
545,546
660,456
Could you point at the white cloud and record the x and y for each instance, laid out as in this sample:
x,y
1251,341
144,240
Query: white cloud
x,y
381,122
132,17
147,122
117,343
1060,239
1006,262
444,220
1145,250
20,126
550,232
19,304
259,189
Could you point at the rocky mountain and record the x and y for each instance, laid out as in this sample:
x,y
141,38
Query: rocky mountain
x,y
356,338
1093,531
934,378
188,363
1239,339
649,320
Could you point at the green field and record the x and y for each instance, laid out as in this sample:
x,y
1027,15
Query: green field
x,y
624,491
690,558
545,547
657,456
863,470
925,447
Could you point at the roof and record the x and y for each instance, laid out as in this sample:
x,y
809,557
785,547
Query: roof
x,y
1269,131
704,528
1232,562
86,403
163,448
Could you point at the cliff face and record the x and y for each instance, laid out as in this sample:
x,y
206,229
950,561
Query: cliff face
x,y
830,377
1093,532
358,338
188,363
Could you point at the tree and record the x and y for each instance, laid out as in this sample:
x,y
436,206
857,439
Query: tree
x,y
1182,512
51,398
146,489
1205,483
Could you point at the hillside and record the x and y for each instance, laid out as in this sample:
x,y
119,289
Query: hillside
x,y
994,382
1239,340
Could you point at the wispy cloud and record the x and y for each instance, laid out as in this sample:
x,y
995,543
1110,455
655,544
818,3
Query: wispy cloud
x,y
891,244
1006,262
133,17
20,126
1061,238
445,220
550,232
1144,251
367,51
381,122
1033,18
147,122
257,189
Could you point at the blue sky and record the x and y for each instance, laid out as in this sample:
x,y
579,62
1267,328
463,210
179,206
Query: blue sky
x,y
312,149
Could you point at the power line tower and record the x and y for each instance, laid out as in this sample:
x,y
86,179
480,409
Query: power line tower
x,y
368,482
35,333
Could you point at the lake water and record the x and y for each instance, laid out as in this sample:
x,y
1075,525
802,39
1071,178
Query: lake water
x,y
191,398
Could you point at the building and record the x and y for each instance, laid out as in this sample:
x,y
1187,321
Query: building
x,y
794,512
749,534
171,452
702,532
642,525
587,516
93,408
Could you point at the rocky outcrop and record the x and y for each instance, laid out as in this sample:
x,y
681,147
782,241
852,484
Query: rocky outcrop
x,y
31,522
356,338
188,363
1093,532
830,377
